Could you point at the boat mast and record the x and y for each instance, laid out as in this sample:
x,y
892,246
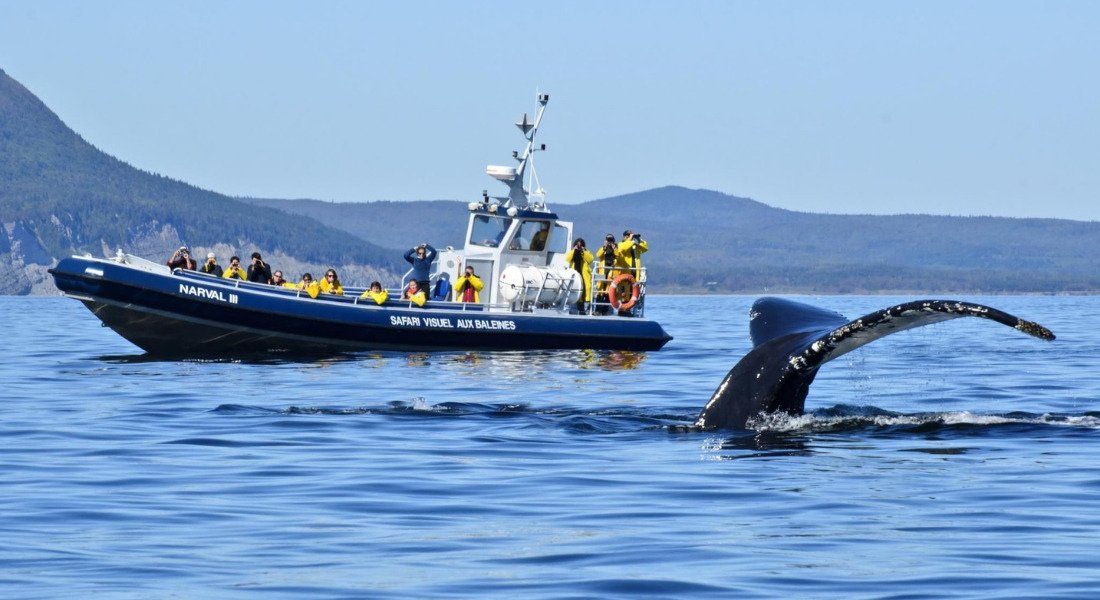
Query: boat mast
x,y
518,194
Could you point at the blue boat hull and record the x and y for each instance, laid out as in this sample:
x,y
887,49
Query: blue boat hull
x,y
192,314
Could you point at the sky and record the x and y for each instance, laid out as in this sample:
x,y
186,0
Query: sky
x,y
962,108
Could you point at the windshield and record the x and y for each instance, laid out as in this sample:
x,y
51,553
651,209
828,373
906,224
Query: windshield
x,y
488,231
531,236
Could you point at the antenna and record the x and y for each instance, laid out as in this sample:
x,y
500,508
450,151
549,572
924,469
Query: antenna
x,y
515,177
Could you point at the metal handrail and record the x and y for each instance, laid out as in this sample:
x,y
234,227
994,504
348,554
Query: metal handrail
x,y
640,279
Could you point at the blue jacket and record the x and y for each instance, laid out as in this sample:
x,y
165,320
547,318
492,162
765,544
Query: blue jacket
x,y
422,267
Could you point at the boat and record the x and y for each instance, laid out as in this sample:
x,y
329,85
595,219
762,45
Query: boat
x,y
514,241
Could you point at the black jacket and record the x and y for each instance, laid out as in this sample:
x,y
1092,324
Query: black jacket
x,y
261,274
213,269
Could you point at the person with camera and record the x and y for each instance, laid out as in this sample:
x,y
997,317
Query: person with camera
x,y
235,271
259,271
181,259
421,258
468,287
211,266
580,259
630,250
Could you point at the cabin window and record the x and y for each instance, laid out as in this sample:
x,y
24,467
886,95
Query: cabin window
x,y
532,236
559,239
488,231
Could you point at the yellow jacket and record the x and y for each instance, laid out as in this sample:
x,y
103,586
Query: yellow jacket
x,y
329,288
418,298
474,282
600,255
235,273
585,271
378,297
310,288
629,259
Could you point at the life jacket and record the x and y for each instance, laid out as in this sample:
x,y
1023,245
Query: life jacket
x,y
379,297
331,288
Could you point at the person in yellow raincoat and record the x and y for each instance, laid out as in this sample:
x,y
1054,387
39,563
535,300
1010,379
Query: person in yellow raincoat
x,y
606,256
234,271
331,283
629,259
307,285
375,293
468,287
580,259
414,294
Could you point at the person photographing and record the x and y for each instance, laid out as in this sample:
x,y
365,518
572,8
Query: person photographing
x,y
259,271
211,266
629,258
580,259
468,287
181,259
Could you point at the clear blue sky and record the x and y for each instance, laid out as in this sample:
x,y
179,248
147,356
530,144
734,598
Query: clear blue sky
x,y
884,107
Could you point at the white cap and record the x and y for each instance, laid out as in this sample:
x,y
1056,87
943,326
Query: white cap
x,y
210,255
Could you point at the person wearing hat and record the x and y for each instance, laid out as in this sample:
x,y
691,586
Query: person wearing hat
x,y
211,266
182,260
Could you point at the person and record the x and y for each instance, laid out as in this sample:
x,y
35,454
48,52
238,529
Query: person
x,y
211,266
331,283
181,259
538,241
421,259
606,257
442,291
468,287
375,293
415,294
630,250
277,279
259,271
580,259
308,285
235,271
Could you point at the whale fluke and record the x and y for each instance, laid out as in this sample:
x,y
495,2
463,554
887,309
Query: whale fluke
x,y
792,340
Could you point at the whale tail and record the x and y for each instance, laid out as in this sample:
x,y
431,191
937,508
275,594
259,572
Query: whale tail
x,y
791,341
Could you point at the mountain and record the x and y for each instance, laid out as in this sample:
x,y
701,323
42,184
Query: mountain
x,y
60,195
702,239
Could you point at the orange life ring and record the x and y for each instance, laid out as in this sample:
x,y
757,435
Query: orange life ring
x,y
613,292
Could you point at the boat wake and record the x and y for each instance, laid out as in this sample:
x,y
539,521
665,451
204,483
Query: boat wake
x,y
840,418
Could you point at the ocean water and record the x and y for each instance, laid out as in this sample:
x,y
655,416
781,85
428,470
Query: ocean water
x,y
957,460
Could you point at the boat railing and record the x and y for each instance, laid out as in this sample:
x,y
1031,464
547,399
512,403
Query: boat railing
x,y
602,278
352,295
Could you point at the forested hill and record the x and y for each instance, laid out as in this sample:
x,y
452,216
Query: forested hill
x,y
702,239
60,195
